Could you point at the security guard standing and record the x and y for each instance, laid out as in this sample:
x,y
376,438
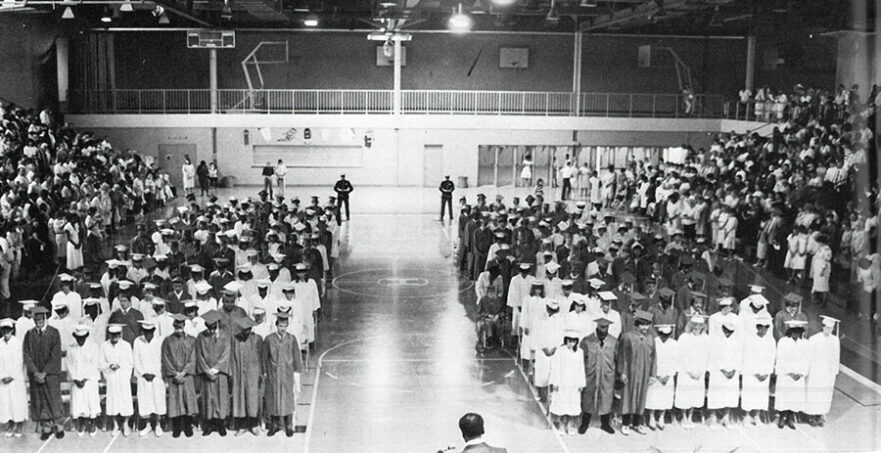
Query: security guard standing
x,y
446,188
343,188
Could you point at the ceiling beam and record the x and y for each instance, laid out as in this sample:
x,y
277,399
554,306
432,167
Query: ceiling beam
x,y
623,15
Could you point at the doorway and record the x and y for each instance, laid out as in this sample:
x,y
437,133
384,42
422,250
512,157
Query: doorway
x,y
171,159
432,165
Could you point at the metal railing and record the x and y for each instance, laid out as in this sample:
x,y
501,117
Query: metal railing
x,y
541,103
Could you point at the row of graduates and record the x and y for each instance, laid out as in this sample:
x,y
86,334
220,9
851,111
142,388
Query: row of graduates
x,y
225,373
242,297
716,364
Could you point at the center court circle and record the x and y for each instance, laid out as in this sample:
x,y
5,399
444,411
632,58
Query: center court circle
x,y
406,283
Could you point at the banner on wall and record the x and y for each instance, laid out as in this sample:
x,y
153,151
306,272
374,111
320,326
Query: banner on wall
x,y
266,133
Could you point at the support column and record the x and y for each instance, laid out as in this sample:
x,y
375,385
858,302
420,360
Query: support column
x,y
750,62
212,78
110,57
396,96
576,73
62,62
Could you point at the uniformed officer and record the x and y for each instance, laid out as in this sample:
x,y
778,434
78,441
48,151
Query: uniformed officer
x,y
446,188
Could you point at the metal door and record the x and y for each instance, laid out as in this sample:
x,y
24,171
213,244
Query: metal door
x,y
486,165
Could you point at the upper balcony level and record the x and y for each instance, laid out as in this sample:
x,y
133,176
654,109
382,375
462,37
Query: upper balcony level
x,y
412,102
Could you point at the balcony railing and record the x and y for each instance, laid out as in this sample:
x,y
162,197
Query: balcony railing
x,y
432,102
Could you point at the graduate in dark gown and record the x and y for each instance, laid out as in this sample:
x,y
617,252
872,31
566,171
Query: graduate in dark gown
x,y
282,365
246,373
42,359
636,364
212,368
179,370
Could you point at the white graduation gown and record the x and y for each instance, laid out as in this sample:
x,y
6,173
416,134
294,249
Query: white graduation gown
x,y
83,362
206,305
193,327
518,291
825,351
694,350
660,396
164,325
147,358
118,383
758,358
534,310
307,292
74,303
22,325
567,375
13,396
792,357
548,334
726,353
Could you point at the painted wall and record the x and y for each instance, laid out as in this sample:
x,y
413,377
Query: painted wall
x,y
396,156
337,60
25,39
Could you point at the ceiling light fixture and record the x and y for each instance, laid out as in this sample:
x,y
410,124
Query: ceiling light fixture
x,y
163,19
503,2
126,7
588,4
68,13
552,13
310,21
105,16
460,22
226,13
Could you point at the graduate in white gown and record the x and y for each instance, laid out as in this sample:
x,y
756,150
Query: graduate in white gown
x,y
147,358
691,380
204,300
194,324
659,397
83,369
117,365
13,391
566,381
791,369
307,289
533,310
25,322
163,320
758,365
548,335
726,357
825,351
71,298
518,290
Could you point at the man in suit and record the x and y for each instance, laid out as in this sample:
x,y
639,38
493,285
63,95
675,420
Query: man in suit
x,y
471,425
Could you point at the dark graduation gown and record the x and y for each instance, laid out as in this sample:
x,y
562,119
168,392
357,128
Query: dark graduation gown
x,y
245,371
227,320
179,355
281,359
131,328
42,354
599,369
174,303
637,361
212,351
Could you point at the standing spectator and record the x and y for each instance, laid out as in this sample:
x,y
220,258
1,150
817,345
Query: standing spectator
x,y
188,171
566,173
204,182
73,236
280,171
526,172
268,172
213,175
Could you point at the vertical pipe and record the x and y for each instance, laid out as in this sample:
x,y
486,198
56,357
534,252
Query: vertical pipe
x,y
750,61
62,60
397,81
576,72
110,67
212,78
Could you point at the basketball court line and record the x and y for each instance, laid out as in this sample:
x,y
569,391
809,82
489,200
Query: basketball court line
x,y
110,444
44,444
541,406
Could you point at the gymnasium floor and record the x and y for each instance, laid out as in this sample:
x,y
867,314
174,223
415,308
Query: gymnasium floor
x,y
395,365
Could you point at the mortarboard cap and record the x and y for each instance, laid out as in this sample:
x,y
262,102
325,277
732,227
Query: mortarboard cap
x,y
665,328
147,324
115,328
552,267
211,316
627,277
607,296
793,298
38,310
642,315
7,322
603,321
666,292
202,287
